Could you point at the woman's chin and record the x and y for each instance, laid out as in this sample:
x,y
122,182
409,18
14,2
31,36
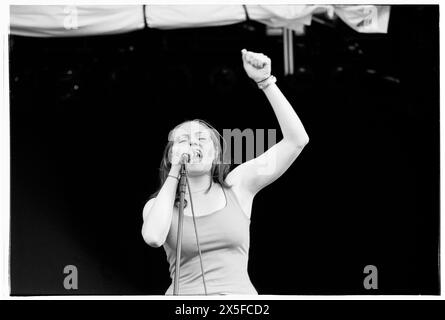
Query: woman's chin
x,y
198,169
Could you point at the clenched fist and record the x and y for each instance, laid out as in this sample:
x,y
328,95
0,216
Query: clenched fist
x,y
257,65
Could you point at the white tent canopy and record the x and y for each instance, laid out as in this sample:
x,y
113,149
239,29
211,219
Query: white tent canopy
x,y
71,21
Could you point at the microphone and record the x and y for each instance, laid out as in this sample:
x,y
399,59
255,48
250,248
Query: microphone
x,y
187,156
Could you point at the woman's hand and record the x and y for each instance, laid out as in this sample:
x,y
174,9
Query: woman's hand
x,y
175,157
257,65
178,149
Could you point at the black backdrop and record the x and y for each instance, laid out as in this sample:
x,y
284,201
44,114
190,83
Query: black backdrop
x,y
90,117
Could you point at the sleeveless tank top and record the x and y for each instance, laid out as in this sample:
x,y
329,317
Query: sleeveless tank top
x,y
224,242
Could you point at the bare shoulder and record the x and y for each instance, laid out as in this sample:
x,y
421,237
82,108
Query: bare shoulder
x,y
243,195
237,179
147,207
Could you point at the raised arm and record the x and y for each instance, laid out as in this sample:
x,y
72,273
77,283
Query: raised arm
x,y
157,212
251,176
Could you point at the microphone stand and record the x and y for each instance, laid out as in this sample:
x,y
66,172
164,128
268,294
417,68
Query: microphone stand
x,y
182,186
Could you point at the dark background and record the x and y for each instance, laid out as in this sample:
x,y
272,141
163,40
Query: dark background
x,y
90,118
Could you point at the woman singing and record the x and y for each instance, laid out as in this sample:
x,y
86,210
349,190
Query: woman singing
x,y
221,200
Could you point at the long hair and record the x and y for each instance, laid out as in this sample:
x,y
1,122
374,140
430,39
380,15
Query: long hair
x,y
219,170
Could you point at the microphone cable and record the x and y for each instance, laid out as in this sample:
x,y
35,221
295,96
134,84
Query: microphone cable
x,y
196,234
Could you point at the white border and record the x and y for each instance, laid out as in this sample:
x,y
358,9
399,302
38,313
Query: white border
x,y
4,158
5,161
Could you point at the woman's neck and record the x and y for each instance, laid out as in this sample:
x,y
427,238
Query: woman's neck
x,y
199,183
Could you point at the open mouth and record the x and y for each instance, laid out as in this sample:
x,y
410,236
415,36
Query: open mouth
x,y
197,156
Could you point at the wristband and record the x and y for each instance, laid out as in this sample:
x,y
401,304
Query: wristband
x,y
264,79
263,84
173,177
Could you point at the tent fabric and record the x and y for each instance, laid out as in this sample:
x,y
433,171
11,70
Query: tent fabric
x,y
287,16
365,18
71,21
191,16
